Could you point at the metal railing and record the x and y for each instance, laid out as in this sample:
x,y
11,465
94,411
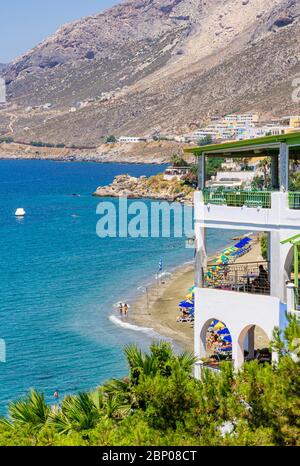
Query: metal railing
x,y
248,277
294,200
238,198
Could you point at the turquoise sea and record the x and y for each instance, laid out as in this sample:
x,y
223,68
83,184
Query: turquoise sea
x,y
59,280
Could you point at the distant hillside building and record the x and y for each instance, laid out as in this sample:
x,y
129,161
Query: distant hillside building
x,y
242,118
130,139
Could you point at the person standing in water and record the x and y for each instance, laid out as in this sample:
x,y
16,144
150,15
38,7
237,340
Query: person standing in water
x,y
126,309
120,309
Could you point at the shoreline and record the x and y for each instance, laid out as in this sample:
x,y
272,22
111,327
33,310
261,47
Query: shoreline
x,y
156,153
87,159
163,301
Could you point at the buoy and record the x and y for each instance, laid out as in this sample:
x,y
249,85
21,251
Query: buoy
x,y
20,212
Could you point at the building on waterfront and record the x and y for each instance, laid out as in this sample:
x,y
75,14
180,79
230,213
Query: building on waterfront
x,y
176,173
233,296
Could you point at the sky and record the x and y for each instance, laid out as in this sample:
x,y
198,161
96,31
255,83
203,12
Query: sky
x,y
25,23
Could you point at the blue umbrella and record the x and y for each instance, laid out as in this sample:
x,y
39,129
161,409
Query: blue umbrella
x,y
227,338
214,322
186,304
223,331
225,349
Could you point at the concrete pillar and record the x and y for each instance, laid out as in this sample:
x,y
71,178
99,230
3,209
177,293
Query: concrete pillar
x,y
201,257
284,167
276,272
238,351
198,369
290,297
251,342
201,172
275,172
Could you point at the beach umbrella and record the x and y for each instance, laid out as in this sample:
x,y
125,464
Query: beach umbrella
x,y
224,258
219,325
227,338
223,331
213,323
186,304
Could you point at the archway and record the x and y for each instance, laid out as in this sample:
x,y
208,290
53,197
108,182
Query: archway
x,y
215,342
253,344
288,265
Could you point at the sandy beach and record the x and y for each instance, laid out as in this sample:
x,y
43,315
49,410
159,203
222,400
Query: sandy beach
x,y
162,309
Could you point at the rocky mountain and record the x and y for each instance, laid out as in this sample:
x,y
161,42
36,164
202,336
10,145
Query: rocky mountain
x,y
3,67
155,65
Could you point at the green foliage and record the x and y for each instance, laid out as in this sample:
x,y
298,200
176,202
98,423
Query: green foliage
x,y
178,161
6,139
257,183
264,246
111,139
207,140
161,404
213,165
295,182
41,144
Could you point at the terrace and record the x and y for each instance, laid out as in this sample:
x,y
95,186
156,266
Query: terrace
x,y
248,277
280,156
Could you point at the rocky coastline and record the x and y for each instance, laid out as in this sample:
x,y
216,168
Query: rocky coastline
x,y
144,153
154,187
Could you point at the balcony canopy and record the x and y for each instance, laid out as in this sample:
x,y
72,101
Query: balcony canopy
x,y
279,148
253,146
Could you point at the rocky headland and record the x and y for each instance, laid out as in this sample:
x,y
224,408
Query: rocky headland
x,y
154,187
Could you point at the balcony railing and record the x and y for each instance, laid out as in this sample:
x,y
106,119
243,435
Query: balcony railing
x,y
238,198
294,200
249,277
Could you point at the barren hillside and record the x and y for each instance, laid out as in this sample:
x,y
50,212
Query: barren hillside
x,y
148,65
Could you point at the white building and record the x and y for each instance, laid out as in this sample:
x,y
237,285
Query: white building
x,y
130,139
240,306
232,179
242,118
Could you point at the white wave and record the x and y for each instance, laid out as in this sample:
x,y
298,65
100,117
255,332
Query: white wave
x,y
149,331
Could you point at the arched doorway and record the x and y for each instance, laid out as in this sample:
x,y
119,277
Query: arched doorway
x,y
253,344
288,265
216,343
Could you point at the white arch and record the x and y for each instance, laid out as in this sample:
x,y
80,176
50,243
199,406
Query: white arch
x,y
240,347
202,350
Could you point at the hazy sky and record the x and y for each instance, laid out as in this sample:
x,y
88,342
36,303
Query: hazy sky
x,y
25,23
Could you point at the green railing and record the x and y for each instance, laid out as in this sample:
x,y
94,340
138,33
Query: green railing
x,y
294,200
238,198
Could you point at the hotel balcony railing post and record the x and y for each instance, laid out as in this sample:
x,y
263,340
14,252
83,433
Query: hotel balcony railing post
x,y
291,297
241,277
233,198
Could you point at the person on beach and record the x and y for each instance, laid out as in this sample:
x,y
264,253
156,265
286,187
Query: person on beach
x,y
56,396
126,309
120,307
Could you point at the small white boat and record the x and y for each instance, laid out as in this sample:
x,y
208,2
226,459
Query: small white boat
x,y
20,212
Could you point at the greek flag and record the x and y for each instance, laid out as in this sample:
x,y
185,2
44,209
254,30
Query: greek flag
x,y
160,265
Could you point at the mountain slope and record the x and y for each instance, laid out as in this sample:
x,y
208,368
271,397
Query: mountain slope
x,y
149,65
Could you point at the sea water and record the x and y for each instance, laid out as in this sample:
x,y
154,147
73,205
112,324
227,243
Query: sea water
x,y
59,280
